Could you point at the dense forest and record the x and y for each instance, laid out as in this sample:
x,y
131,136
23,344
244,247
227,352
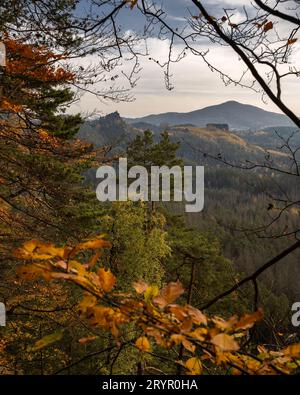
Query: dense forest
x,y
137,287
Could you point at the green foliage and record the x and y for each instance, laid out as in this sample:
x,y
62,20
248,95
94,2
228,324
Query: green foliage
x,y
144,151
139,242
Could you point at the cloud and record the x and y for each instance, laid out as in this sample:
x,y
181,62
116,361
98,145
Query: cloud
x,y
195,86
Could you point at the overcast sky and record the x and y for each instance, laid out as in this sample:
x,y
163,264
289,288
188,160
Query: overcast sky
x,y
195,86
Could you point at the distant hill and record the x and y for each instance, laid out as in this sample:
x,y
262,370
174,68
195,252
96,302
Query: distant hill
x,y
194,141
110,129
235,114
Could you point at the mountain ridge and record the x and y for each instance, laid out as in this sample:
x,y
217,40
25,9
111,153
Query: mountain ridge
x,y
237,115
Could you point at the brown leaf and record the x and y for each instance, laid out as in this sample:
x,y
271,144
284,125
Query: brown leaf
x,y
196,315
249,320
132,3
225,342
188,345
86,340
225,325
187,325
268,26
179,311
169,294
140,286
292,41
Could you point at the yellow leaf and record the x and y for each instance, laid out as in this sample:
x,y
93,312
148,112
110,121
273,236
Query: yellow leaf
x,y
143,344
194,366
150,293
225,342
47,340
177,339
199,334
93,244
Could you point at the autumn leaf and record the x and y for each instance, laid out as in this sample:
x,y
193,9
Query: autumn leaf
x,y
225,342
292,41
292,350
169,294
93,261
223,324
89,301
188,345
150,293
177,339
93,244
143,344
107,279
47,340
194,366
132,3
199,334
268,26
249,320
86,340
196,315
34,249
187,325
140,286
31,245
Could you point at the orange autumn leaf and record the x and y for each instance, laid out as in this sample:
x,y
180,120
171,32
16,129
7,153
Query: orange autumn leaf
x,y
177,339
196,315
225,342
169,294
143,344
194,366
249,320
188,345
86,340
93,244
140,286
93,261
293,350
107,279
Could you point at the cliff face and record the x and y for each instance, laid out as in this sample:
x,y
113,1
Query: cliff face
x,y
109,129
